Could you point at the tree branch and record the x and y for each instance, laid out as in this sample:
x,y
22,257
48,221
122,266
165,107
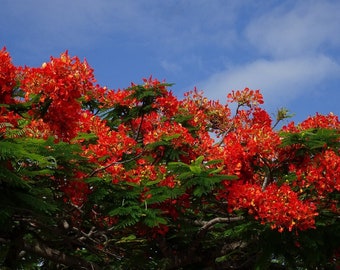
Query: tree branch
x,y
207,224
59,257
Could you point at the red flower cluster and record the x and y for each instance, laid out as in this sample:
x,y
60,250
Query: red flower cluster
x,y
76,192
278,206
319,175
59,86
246,97
8,73
329,121
173,132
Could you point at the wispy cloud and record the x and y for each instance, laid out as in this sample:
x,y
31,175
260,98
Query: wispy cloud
x,y
306,27
171,66
292,42
279,81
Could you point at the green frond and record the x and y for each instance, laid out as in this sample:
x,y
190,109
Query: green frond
x,y
153,218
312,139
22,151
35,203
128,215
11,180
15,132
5,125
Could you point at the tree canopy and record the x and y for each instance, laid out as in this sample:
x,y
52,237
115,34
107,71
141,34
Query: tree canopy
x,y
135,178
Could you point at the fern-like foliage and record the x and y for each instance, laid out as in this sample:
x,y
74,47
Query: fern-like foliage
x,y
313,139
199,175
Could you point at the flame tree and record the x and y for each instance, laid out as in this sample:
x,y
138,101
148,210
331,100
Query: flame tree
x,y
135,178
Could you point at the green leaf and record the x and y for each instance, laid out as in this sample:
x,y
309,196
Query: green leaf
x,y
213,162
171,137
93,180
152,218
185,175
85,136
154,145
175,165
130,238
312,139
228,177
222,258
218,170
199,160
38,172
182,118
153,183
195,169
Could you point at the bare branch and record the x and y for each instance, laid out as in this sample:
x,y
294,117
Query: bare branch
x,y
265,183
207,224
59,257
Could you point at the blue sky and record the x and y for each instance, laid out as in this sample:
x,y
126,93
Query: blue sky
x,y
288,49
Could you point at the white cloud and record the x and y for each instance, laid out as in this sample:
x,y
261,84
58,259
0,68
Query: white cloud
x,y
280,81
169,66
292,44
305,28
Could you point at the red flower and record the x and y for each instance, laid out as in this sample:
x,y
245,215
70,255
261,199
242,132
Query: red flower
x,y
8,74
278,206
246,97
60,86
